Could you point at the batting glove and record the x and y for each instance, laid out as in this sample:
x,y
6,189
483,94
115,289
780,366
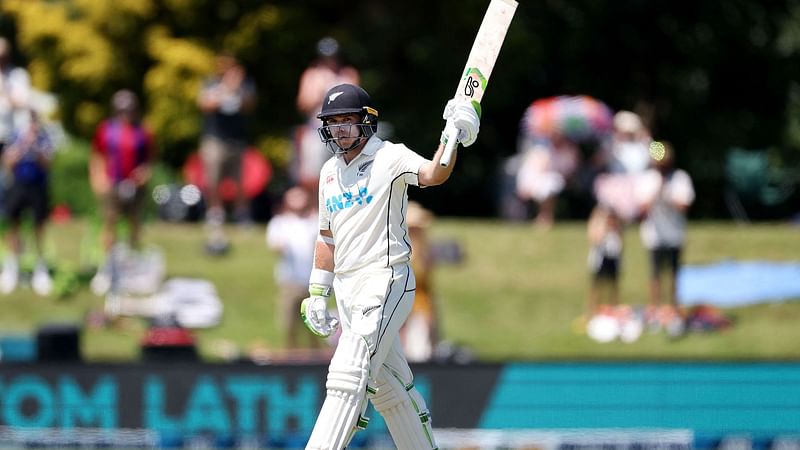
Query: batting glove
x,y
314,311
461,115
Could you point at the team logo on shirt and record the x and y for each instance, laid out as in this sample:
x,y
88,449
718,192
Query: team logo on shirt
x,y
369,309
362,168
348,200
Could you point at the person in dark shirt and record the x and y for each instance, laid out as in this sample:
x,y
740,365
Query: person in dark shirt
x,y
27,159
225,101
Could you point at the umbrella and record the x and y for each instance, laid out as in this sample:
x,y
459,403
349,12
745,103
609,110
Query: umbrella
x,y
579,118
256,174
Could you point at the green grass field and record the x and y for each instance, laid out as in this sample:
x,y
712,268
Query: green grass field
x,y
512,298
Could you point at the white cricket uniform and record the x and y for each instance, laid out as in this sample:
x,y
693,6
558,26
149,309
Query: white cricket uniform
x,y
364,204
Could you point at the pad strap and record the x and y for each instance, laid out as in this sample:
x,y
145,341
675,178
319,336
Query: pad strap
x,y
404,411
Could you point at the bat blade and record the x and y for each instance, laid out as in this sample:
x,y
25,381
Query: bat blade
x,y
480,62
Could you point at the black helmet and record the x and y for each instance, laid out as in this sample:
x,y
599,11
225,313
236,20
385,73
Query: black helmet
x,y
347,99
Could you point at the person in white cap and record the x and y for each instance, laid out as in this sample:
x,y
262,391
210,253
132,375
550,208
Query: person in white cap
x,y
629,150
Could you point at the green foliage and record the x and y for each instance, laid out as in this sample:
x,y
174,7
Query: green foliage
x,y
69,178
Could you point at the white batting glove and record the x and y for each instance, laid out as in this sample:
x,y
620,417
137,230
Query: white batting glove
x,y
460,114
314,311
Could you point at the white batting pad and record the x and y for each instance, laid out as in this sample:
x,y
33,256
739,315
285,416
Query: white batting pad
x,y
404,411
346,394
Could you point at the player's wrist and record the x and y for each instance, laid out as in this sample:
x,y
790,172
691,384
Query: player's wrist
x,y
321,276
319,290
320,282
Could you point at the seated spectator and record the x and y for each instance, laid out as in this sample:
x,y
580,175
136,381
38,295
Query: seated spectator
x,y
27,159
547,166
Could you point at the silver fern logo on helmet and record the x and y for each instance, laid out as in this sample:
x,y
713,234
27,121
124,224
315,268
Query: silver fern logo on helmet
x,y
333,96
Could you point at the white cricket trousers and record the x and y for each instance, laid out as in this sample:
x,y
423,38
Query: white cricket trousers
x,y
374,303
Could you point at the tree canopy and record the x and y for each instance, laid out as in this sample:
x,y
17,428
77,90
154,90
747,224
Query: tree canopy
x,y
707,76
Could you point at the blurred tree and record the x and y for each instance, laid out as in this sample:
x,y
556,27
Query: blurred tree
x,y
708,76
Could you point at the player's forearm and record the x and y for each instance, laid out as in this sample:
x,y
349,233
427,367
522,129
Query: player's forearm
x,y
323,256
432,173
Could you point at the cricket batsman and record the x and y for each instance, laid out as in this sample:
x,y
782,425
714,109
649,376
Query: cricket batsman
x,y
363,254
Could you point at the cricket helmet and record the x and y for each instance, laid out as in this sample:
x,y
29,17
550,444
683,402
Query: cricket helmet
x,y
347,99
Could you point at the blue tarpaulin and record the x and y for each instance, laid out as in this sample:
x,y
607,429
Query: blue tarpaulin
x,y
739,283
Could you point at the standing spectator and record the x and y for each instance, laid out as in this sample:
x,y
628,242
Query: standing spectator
x,y
119,168
625,158
628,151
420,333
27,159
605,251
15,90
225,100
667,195
292,233
325,72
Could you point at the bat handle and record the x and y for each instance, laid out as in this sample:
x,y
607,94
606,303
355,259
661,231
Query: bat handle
x,y
450,147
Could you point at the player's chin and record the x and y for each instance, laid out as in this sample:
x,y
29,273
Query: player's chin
x,y
346,143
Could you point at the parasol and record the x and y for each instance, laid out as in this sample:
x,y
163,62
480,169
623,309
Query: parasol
x,y
579,118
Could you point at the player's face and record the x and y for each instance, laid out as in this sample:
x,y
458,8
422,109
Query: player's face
x,y
344,128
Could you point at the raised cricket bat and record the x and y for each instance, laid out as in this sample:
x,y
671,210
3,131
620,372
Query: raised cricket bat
x,y
480,63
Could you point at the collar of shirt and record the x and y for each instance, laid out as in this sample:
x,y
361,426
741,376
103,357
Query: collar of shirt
x,y
373,144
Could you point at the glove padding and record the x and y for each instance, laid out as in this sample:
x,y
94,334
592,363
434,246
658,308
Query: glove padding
x,y
314,311
460,114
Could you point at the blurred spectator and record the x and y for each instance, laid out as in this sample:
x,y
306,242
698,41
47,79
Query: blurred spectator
x,y
556,135
119,169
547,166
420,333
629,148
15,91
668,193
27,159
292,233
625,160
605,253
325,72
226,99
